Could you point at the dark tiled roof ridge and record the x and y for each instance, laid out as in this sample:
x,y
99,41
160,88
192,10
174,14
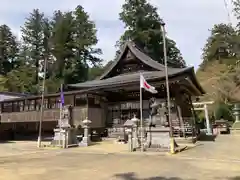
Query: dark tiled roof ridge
x,y
15,93
138,52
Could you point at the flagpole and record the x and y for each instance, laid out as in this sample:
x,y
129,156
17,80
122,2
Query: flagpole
x,y
167,82
42,105
61,108
141,116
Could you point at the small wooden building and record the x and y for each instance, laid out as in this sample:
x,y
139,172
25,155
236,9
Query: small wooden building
x,y
110,99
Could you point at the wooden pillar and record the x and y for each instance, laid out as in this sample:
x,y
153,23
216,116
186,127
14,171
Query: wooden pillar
x,y
181,120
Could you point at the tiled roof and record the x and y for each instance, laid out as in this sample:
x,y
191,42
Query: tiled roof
x,y
128,78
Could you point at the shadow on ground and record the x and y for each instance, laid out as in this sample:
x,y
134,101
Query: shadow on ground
x,y
5,141
205,137
235,178
132,176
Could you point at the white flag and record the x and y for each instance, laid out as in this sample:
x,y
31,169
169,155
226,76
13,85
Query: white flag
x,y
146,86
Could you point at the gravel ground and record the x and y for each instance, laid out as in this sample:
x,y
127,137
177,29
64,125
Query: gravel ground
x,y
106,161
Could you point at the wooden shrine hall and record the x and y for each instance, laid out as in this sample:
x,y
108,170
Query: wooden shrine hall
x,y
120,84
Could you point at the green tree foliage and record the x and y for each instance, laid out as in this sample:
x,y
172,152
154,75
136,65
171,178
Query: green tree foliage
x,y
62,42
32,35
84,53
223,111
222,45
67,41
143,26
8,50
221,55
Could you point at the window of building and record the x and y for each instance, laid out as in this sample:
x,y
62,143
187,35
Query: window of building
x,y
80,100
31,105
45,104
93,101
16,107
38,104
21,105
53,103
68,100
7,107
26,105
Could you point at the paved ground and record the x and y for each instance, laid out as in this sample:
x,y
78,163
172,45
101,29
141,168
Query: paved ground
x,y
208,160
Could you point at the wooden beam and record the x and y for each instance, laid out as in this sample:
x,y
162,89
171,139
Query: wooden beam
x,y
198,109
203,103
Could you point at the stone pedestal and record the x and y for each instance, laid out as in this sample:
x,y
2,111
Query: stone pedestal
x,y
64,137
65,134
130,143
135,132
158,137
86,141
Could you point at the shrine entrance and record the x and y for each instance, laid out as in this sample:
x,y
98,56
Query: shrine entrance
x,y
120,112
203,106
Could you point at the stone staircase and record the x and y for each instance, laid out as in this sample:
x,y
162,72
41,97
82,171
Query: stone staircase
x,y
117,132
178,130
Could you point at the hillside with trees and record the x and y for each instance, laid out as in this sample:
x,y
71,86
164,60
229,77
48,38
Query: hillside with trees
x,y
219,72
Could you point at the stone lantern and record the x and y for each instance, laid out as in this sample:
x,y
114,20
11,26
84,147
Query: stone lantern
x,y
236,112
86,139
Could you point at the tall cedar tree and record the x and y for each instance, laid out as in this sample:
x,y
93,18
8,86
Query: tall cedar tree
x,y
8,50
84,55
32,35
62,42
142,24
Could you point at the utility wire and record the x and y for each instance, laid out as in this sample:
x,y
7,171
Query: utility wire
x,y
228,12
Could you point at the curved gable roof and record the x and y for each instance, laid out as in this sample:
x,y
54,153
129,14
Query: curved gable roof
x,y
158,71
139,54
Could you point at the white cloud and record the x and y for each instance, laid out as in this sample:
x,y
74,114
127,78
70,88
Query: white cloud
x,y
187,21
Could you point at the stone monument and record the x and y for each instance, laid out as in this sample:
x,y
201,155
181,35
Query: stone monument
x,y
86,141
64,134
157,132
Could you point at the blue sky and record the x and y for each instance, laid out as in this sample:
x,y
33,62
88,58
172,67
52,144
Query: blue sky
x,y
187,21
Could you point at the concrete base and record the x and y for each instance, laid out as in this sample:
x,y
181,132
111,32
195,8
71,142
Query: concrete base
x,y
235,131
64,137
85,142
185,141
158,138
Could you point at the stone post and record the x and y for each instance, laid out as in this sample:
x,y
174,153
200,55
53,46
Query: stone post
x,y
64,139
130,143
209,131
135,132
86,139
